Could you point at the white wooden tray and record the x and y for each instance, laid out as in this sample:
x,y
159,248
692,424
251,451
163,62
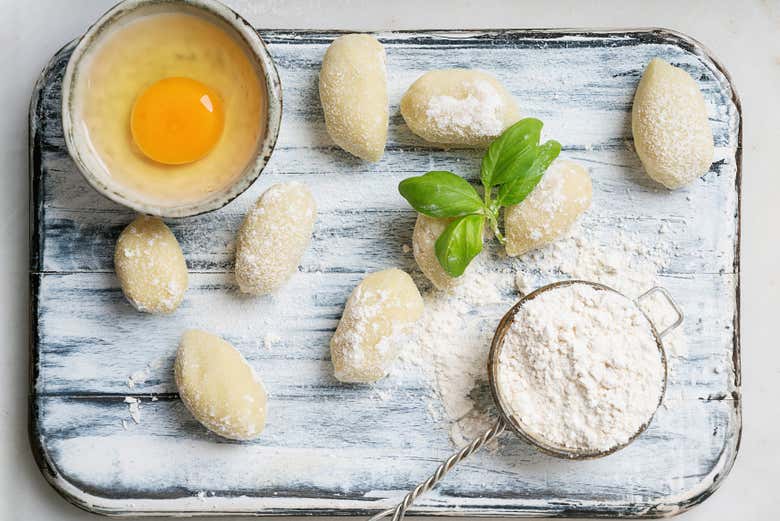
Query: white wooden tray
x,y
335,449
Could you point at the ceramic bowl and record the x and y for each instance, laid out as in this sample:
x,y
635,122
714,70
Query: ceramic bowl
x,y
87,159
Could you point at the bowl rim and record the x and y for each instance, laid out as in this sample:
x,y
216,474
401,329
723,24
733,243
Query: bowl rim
x,y
253,44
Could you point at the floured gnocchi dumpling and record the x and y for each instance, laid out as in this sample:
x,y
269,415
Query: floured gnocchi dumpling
x,y
353,93
273,237
377,316
564,192
426,231
219,387
672,134
458,107
150,266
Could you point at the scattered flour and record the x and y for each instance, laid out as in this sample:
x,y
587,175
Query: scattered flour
x,y
271,339
134,406
142,375
580,368
450,345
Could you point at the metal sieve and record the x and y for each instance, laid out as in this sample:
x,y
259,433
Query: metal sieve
x,y
508,421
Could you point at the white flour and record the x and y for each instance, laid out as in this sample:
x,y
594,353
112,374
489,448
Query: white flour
x,y
142,375
478,113
580,368
450,346
270,340
134,408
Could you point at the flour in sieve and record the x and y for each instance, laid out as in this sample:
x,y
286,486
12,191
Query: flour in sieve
x,y
580,368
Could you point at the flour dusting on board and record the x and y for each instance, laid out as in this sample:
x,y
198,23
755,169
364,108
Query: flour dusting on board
x,y
452,339
450,346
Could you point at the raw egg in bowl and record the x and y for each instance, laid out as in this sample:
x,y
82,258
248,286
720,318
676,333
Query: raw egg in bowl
x,y
171,107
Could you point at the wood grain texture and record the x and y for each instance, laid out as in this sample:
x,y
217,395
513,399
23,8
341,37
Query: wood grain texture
x,y
335,449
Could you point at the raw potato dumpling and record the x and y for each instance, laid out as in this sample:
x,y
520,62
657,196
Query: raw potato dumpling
x,y
273,237
353,93
550,209
150,266
672,134
378,314
458,107
426,231
219,387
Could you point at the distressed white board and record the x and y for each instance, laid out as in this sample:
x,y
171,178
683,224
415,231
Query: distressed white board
x,y
336,449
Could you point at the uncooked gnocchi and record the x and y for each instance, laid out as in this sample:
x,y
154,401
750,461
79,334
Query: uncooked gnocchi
x,y
672,134
150,266
273,237
219,387
458,107
426,231
353,93
564,192
377,316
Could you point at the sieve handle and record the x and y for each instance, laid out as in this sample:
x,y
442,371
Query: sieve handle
x,y
670,300
399,511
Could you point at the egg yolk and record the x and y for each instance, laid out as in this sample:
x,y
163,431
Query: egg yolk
x,y
177,121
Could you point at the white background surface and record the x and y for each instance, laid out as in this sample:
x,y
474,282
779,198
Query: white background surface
x,y
744,35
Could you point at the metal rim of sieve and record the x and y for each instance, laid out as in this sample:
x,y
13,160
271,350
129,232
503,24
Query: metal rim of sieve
x,y
503,406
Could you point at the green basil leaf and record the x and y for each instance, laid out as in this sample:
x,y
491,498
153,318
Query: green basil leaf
x,y
441,194
517,188
515,145
459,243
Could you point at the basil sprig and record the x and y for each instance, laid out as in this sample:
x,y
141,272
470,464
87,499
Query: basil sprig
x,y
513,164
